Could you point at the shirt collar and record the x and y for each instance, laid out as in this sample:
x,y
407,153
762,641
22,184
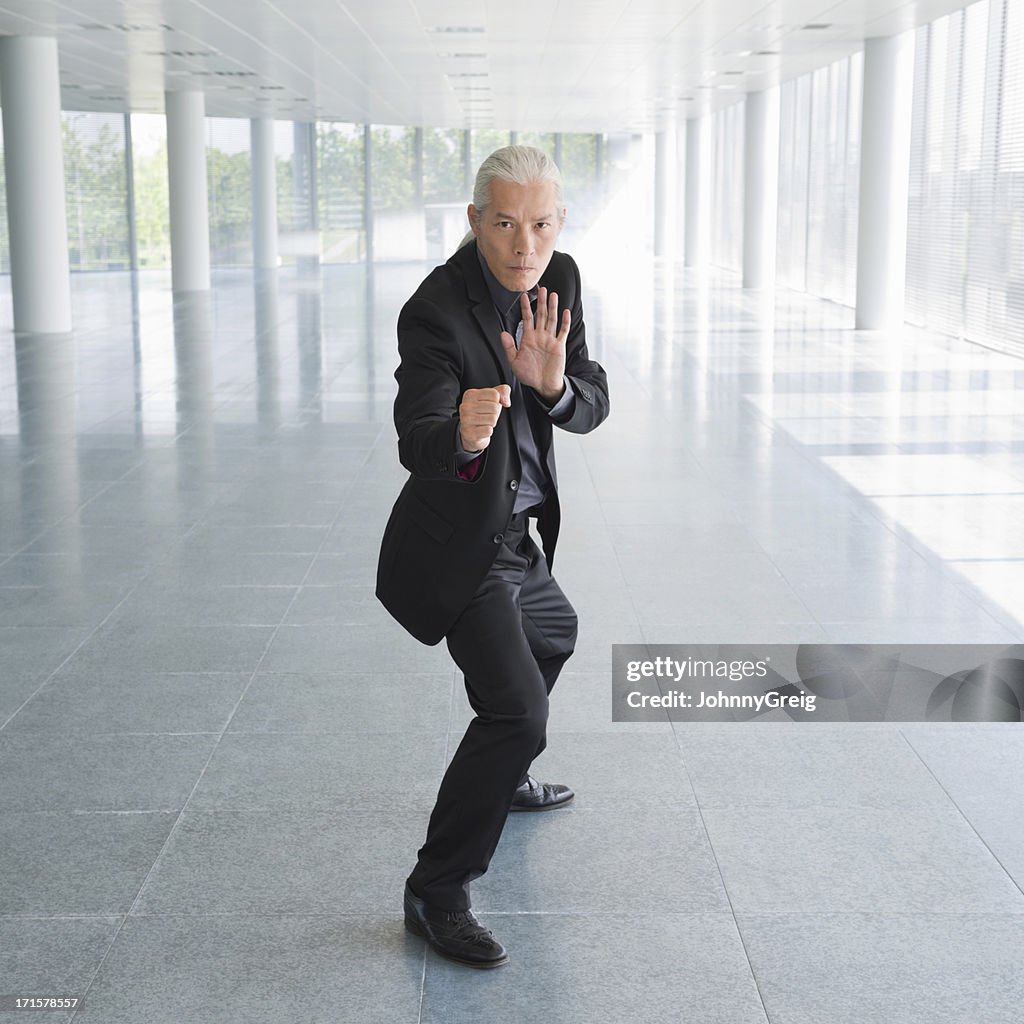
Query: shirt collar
x,y
505,301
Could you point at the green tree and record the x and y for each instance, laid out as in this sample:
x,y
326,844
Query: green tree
x,y
442,166
152,209
394,187
95,180
229,184
484,142
539,140
340,173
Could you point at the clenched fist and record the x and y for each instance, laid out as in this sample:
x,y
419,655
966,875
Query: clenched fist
x,y
478,413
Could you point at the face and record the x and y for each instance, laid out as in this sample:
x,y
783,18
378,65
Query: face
x,y
517,232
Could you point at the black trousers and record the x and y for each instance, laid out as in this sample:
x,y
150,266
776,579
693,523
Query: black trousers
x,y
510,642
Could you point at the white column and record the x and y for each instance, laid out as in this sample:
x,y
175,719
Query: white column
x,y
679,224
760,187
664,191
34,164
884,180
698,153
264,194
186,181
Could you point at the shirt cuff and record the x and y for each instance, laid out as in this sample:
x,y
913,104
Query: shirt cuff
x,y
462,457
563,407
467,464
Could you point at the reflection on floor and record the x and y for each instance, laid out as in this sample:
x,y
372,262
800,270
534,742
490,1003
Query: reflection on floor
x,y
218,754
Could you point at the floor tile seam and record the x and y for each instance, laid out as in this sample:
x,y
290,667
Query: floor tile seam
x,y
984,561
59,522
626,914
944,494
1018,885
721,878
125,597
935,561
999,614
990,607
82,734
817,806
83,812
252,676
36,916
953,916
327,807
604,519
666,719
389,914
812,618
181,813
873,510
423,985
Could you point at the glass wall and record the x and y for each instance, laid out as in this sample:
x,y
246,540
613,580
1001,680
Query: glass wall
x,y
5,250
397,203
794,174
444,192
149,173
727,187
229,184
485,141
416,207
96,187
965,239
346,191
539,140
442,166
584,166
834,180
339,186
819,170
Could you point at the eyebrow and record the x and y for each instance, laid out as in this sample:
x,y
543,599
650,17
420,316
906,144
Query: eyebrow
x,y
508,216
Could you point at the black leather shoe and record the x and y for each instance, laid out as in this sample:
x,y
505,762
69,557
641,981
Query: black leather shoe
x,y
540,796
455,934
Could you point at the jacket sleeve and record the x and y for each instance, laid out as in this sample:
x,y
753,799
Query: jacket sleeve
x,y
588,378
429,379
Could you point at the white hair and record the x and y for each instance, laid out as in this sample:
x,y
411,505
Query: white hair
x,y
520,165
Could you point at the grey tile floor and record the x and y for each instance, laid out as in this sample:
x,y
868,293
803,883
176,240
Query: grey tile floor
x,y
217,753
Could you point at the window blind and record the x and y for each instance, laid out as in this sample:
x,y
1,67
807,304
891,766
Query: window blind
x,y
819,168
965,239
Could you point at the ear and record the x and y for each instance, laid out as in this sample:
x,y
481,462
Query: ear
x,y
561,219
474,219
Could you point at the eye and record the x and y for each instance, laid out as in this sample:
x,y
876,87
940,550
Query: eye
x,y
543,224
504,223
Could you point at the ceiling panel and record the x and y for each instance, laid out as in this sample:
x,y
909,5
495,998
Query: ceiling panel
x,y
535,65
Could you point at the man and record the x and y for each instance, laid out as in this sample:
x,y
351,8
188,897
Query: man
x,y
488,366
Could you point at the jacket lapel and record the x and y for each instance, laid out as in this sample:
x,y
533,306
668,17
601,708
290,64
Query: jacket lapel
x,y
482,306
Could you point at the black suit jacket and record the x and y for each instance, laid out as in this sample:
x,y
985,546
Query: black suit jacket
x,y
444,532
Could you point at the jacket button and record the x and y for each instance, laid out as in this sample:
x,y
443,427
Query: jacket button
x,y
513,485
498,538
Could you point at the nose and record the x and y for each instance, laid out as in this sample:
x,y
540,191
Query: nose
x,y
524,242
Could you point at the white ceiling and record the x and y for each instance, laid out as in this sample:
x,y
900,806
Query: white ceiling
x,y
528,65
